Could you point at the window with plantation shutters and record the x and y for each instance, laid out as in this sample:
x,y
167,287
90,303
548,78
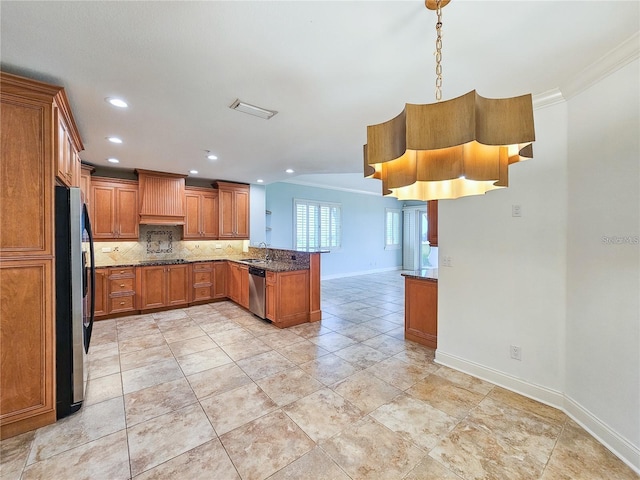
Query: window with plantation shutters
x,y
317,225
392,229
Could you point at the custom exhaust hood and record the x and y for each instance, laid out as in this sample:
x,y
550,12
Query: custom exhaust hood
x,y
161,198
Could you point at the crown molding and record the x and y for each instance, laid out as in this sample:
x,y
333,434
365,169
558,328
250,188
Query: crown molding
x,y
548,98
622,55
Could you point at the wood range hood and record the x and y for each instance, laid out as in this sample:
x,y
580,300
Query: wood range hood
x,y
161,198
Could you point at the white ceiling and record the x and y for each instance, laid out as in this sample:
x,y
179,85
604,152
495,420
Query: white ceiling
x,y
329,68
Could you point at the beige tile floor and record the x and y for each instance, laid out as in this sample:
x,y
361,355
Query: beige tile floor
x,y
211,392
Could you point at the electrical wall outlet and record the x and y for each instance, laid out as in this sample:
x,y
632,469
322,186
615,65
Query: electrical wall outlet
x,y
516,211
447,261
218,245
516,352
105,249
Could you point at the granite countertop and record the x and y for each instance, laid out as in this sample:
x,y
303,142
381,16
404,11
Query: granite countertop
x,y
271,265
430,274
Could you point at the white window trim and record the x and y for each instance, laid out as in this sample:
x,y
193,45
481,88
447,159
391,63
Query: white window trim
x,y
319,204
397,228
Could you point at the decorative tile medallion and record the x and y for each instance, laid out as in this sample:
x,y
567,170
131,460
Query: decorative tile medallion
x,y
159,241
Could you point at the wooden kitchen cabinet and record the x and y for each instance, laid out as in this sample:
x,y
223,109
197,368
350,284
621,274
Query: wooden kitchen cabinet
x,y
421,311
114,209
122,294
85,183
432,222
238,284
101,293
161,198
220,279
163,286
287,297
202,281
233,202
30,115
201,220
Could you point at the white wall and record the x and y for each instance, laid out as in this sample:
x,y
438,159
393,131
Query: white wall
x,y
603,278
507,283
546,281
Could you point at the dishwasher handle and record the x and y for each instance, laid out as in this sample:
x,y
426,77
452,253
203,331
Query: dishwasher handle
x,y
258,272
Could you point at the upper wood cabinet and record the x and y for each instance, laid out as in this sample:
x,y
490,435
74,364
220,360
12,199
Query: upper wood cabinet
x,y
30,114
233,199
114,209
432,222
85,183
201,220
68,145
161,198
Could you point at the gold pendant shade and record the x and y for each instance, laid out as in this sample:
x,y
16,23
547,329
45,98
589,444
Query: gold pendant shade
x,y
450,149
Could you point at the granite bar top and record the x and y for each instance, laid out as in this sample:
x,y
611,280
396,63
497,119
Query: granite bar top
x,y
430,274
270,265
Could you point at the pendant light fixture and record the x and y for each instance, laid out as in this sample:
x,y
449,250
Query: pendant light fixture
x,y
449,149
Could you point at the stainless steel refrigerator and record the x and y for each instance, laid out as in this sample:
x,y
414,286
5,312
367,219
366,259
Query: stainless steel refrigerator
x,y
75,298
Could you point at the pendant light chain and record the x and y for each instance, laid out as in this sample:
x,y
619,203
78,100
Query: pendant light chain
x,y
439,51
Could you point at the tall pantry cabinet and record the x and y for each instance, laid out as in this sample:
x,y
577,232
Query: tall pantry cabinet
x,y
32,115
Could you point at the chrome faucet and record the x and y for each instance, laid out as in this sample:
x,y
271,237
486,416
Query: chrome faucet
x,y
266,250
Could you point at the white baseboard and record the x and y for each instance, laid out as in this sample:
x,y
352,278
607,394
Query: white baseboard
x,y
361,272
618,445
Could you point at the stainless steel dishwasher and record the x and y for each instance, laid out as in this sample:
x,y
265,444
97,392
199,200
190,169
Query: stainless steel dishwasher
x,y
257,291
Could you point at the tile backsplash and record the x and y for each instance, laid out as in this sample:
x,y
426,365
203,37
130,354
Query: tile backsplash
x,y
159,242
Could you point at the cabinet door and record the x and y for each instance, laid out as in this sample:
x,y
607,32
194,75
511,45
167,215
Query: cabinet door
x,y
102,275
178,284
234,282
151,287
293,297
103,211
27,338
220,279
26,179
432,222
209,218
192,228
127,213
85,185
421,311
242,214
202,281
63,153
227,219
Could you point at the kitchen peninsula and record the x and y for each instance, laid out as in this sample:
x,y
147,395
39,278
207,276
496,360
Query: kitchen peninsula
x,y
292,290
421,306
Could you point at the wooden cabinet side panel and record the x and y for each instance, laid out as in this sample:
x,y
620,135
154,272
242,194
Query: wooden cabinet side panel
x,y
244,287
432,222
26,182
26,339
315,304
421,311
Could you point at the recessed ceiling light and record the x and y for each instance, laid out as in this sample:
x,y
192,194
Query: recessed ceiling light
x,y
211,156
113,160
114,139
193,172
289,170
260,180
116,102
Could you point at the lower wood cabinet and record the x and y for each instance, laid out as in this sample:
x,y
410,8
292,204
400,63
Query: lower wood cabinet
x,y
421,311
163,286
238,284
102,292
115,291
287,297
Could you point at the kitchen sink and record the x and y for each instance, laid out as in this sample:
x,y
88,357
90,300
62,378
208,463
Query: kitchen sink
x,y
252,260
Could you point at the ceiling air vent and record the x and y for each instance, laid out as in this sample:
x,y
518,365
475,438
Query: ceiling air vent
x,y
252,110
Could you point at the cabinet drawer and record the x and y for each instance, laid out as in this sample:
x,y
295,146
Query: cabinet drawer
x,y
202,267
201,277
202,293
122,272
121,304
121,285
